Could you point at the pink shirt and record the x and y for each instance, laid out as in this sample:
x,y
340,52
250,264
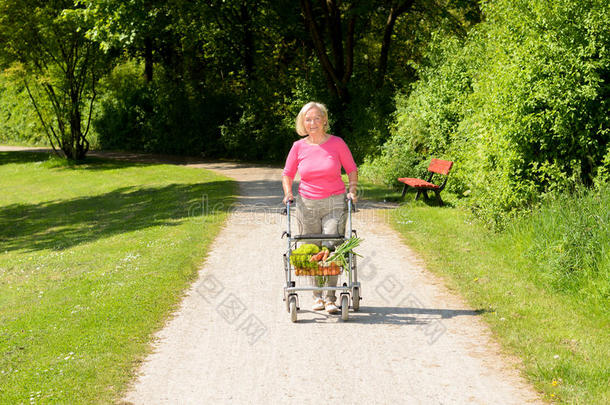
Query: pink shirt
x,y
320,167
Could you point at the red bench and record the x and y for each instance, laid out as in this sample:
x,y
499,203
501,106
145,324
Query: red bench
x,y
436,166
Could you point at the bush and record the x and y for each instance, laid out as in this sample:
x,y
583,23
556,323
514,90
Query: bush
x,y
18,120
263,128
164,116
521,106
174,116
427,117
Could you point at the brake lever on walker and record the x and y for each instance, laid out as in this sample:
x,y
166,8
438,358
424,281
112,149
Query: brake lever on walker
x,y
285,209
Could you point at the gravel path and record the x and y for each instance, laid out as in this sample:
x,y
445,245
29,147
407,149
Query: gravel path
x,y
232,341
412,342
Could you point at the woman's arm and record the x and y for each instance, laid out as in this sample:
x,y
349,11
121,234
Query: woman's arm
x,y
353,185
287,185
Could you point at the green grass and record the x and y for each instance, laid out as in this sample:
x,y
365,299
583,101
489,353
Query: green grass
x,y
93,259
560,329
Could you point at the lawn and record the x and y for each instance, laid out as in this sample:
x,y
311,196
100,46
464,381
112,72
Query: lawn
x,y
561,333
93,259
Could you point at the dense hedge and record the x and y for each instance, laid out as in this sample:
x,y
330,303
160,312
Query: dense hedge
x,y
18,120
164,116
521,105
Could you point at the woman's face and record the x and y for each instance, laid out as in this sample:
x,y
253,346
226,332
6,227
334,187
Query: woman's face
x,y
314,122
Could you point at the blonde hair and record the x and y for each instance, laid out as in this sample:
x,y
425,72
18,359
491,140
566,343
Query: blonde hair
x,y
300,127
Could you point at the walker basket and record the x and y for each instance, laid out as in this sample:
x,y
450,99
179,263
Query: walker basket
x,y
327,269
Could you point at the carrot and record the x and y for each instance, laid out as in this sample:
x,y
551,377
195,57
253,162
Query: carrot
x,y
316,257
325,254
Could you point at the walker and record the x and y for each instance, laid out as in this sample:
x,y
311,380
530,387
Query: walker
x,y
347,285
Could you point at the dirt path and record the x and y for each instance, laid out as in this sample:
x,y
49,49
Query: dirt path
x,y
412,342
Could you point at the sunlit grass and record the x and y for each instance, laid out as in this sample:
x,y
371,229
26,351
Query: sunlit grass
x,y
560,328
93,258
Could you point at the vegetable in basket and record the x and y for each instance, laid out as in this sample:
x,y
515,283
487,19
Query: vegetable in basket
x,y
340,253
299,257
320,256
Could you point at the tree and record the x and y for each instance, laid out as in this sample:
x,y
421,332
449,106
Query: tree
x,y
332,19
45,44
343,33
397,8
145,28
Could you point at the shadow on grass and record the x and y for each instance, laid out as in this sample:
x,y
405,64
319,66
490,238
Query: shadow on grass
x,y
50,160
23,157
65,223
431,201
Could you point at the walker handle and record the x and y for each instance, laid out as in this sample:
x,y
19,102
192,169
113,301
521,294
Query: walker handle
x,y
287,207
353,205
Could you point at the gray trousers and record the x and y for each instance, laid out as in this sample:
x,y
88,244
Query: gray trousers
x,y
328,216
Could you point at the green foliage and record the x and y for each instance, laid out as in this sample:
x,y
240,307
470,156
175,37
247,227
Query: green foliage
x,y
163,116
427,117
44,44
368,117
226,78
260,129
299,257
569,241
222,83
603,172
520,106
18,121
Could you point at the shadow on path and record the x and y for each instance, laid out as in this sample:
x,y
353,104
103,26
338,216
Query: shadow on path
x,y
394,315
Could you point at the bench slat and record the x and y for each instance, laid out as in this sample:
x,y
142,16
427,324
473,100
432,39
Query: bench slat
x,y
418,183
440,166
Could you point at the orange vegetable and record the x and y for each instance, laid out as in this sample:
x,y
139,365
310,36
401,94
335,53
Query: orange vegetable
x,y
325,254
317,257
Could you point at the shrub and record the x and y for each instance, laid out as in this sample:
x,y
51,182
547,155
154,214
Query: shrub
x,y
520,106
262,128
18,120
427,117
164,116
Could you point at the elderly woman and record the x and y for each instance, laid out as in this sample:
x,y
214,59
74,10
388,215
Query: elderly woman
x,y
321,203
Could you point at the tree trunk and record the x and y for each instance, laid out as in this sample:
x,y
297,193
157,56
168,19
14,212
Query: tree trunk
x,y
71,144
74,144
337,74
395,11
248,41
148,59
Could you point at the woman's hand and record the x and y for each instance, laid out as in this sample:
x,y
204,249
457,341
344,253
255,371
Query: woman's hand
x,y
352,186
287,186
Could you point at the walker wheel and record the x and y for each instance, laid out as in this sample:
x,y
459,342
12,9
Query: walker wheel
x,y
344,307
293,309
356,298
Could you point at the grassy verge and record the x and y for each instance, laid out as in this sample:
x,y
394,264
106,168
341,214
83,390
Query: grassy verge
x,y
553,317
93,258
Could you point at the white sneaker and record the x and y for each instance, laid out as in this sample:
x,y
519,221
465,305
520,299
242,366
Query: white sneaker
x,y
331,308
318,305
